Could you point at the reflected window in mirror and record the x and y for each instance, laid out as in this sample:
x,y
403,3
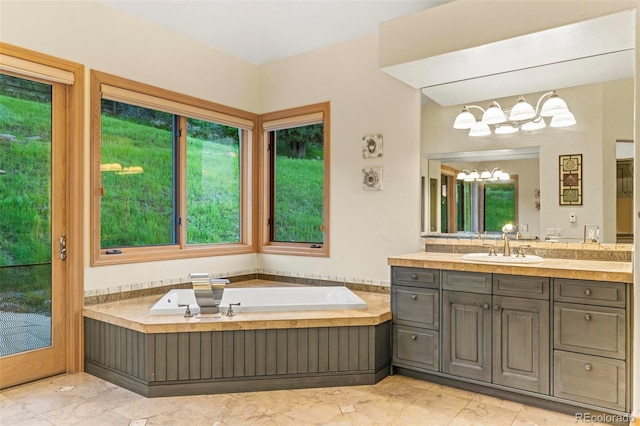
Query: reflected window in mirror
x,y
485,206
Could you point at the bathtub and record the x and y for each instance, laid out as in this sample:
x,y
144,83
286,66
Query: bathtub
x,y
265,299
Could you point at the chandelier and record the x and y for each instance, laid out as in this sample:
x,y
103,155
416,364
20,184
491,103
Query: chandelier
x,y
473,176
521,116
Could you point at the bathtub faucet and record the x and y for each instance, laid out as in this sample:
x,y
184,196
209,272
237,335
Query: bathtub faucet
x,y
208,291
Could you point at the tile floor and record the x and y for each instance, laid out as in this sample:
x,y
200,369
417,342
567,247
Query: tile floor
x,y
82,399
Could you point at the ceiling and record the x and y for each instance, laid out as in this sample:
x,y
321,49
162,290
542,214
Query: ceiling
x,y
262,31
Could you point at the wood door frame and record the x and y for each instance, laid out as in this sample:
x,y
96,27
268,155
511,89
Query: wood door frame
x,y
74,201
452,207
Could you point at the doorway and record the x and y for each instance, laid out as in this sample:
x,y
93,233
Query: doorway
x,y
32,243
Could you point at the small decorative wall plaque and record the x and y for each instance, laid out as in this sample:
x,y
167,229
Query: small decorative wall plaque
x,y
571,180
372,179
372,146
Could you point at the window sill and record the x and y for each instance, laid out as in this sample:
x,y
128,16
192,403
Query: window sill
x,y
294,249
151,254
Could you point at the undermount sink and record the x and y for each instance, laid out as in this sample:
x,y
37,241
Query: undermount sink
x,y
500,258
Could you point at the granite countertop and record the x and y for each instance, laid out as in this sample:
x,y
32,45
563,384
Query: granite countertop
x,y
134,314
555,268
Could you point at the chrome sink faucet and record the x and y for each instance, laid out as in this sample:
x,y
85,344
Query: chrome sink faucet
x,y
506,230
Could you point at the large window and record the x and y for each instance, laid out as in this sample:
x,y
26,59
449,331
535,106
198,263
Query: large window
x,y
173,174
295,181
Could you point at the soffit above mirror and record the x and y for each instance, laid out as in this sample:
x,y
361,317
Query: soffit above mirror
x,y
487,155
596,50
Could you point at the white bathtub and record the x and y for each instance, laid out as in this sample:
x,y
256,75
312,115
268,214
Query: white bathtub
x,y
261,299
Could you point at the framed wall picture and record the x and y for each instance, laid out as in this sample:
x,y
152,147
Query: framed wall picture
x,y
571,180
372,179
372,146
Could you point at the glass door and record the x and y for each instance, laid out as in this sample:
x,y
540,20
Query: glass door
x,y
32,322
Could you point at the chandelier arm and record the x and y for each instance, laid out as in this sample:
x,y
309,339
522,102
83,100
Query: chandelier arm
x,y
548,94
475,106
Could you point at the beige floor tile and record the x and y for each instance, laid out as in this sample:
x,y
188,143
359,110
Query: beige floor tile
x,y
87,409
144,408
409,381
533,416
345,395
46,400
444,399
315,412
184,417
379,409
399,390
497,402
416,415
348,419
252,414
477,412
107,418
81,399
214,406
13,413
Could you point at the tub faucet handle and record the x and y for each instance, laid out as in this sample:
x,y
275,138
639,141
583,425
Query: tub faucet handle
x,y
230,312
187,312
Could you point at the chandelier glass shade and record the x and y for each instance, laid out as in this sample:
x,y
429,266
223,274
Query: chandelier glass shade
x,y
487,175
522,116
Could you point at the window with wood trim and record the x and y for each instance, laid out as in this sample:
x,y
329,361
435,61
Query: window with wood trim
x,y
486,206
171,174
294,214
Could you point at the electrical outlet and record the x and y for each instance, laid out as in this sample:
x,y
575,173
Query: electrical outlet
x,y
591,234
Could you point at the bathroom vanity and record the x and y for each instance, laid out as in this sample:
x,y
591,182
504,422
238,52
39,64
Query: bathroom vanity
x,y
555,333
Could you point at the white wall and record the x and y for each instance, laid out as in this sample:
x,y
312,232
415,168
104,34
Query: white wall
x,y
586,138
617,125
366,226
103,38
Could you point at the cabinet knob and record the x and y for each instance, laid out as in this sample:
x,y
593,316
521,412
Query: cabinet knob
x,y
587,292
414,297
486,306
414,337
496,307
587,367
587,317
414,276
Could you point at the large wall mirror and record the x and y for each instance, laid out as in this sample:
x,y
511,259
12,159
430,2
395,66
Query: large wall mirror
x,y
602,103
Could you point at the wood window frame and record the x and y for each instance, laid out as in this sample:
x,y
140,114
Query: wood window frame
x,y
265,242
181,249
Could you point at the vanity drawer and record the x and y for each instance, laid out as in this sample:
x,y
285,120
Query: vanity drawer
x,y
589,292
416,347
595,330
416,306
415,277
471,282
590,379
520,286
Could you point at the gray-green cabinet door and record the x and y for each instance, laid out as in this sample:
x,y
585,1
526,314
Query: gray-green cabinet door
x,y
466,329
521,343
